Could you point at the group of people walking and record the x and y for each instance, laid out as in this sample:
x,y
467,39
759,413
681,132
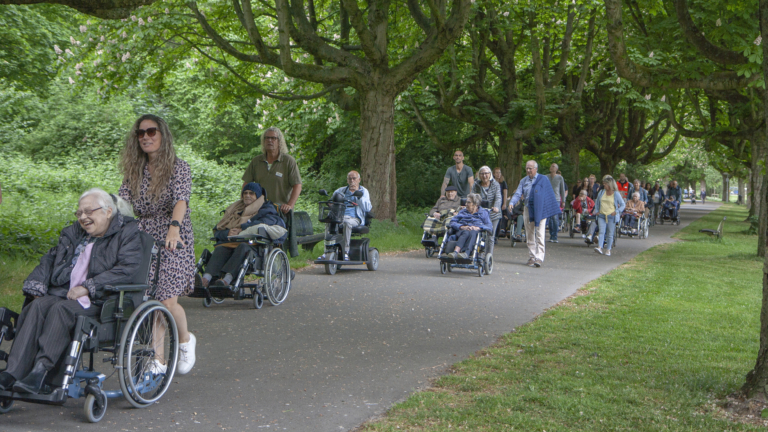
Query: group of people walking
x,y
538,203
103,248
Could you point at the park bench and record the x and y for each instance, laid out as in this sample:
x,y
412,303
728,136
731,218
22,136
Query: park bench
x,y
718,232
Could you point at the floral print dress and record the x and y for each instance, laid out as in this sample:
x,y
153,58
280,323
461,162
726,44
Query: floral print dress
x,y
177,267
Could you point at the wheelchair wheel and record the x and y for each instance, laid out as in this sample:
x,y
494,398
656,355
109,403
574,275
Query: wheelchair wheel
x,y
489,264
443,267
6,405
277,276
93,413
480,268
331,268
373,260
429,252
149,333
258,299
208,302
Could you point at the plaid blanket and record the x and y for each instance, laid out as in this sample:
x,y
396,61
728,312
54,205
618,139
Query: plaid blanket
x,y
437,226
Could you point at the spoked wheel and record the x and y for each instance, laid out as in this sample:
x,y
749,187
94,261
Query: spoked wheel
x,y
6,405
93,413
443,267
373,259
330,268
258,299
489,264
277,276
150,337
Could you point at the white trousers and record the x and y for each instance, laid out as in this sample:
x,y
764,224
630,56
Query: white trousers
x,y
534,236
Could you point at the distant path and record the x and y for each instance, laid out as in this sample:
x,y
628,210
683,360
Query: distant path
x,y
346,347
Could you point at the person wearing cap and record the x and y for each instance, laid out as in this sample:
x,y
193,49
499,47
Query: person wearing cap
x,y
275,170
251,209
445,208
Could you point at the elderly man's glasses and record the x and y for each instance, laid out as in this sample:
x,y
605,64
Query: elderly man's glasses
x,y
87,213
270,138
151,132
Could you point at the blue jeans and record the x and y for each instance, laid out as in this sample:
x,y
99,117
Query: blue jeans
x,y
554,226
607,230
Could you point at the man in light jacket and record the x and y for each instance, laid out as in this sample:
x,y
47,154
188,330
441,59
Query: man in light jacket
x,y
354,215
540,203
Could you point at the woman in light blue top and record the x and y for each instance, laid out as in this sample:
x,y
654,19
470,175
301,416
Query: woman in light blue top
x,y
608,207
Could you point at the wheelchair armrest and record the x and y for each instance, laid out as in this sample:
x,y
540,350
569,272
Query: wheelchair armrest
x,y
131,287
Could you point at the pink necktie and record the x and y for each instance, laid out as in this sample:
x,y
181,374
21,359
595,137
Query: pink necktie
x,y
79,274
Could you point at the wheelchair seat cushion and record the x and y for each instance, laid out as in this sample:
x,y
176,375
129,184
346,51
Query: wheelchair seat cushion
x,y
361,229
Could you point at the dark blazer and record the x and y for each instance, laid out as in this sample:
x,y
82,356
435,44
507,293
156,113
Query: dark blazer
x,y
114,259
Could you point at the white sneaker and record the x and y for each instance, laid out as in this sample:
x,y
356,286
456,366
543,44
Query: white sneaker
x,y
155,367
186,356
599,250
608,252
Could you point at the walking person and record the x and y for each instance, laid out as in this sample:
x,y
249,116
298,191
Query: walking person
x,y
558,186
158,185
703,195
275,170
459,175
536,192
504,197
608,208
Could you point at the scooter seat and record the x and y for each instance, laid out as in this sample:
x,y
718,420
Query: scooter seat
x,y
361,230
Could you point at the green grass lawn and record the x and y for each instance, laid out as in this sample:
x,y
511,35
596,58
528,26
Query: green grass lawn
x,y
652,345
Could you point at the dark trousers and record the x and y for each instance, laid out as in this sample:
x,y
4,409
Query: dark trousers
x,y
227,260
554,226
44,331
629,220
466,241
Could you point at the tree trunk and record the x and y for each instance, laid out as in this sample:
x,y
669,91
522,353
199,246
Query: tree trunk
x,y
571,157
741,196
726,189
607,165
756,173
377,126
757,378
511,160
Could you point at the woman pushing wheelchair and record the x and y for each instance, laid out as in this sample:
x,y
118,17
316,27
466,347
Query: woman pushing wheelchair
x,y
102,248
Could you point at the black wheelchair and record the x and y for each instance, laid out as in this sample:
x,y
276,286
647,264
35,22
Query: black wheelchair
x,y
669,215
132,327
331,213
480,258
265,261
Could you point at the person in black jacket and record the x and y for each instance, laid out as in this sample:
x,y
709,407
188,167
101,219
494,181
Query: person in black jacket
x,y
226,260
102,248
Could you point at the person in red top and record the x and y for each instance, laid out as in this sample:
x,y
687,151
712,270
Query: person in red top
x,y
625,187
583,204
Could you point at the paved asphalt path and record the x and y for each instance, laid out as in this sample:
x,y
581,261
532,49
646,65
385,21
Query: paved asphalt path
x,y
344,348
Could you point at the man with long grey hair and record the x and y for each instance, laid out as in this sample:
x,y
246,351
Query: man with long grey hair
x,y
275,170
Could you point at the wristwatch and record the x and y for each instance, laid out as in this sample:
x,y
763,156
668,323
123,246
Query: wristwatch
x,y
175,223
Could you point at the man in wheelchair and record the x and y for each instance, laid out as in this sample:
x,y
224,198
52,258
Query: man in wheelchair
x,y
468,224
669,208
103,248
243,216
440,215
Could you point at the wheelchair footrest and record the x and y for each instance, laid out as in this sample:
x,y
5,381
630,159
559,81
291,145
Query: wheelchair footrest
x,y
342,262
57,397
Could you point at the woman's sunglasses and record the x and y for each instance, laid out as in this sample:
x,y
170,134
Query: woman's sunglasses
x,y
150,132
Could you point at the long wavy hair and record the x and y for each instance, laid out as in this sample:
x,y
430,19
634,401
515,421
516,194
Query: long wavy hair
x,y
133,159
611,183
282,147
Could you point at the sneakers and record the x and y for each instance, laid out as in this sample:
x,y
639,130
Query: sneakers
x,y
155,367
607,252
186,356
453,255
462,255
322,257
346,257
445,255
553,240
583,236
531,262
599,250
537,263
